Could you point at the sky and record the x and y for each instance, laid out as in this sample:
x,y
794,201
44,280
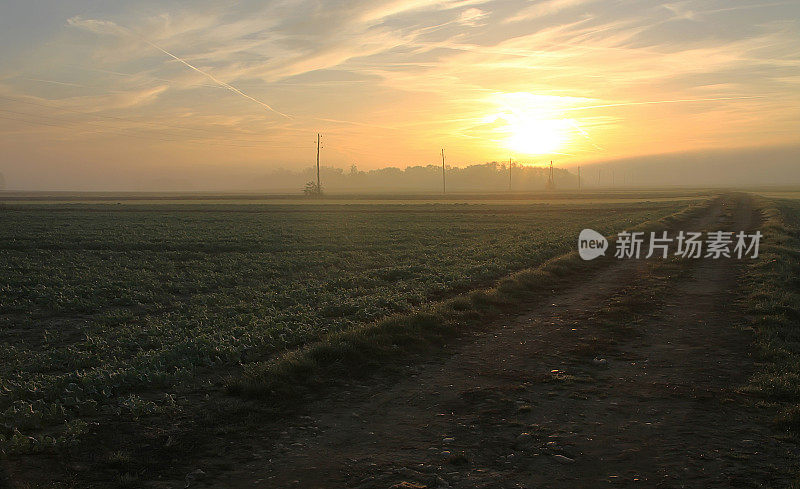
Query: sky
x,y
138,95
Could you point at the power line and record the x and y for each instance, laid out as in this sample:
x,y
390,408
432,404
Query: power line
x,y
444,181
40,123
61,122
150,123
510,167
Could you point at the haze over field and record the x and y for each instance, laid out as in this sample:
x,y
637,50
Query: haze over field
x,y
178,95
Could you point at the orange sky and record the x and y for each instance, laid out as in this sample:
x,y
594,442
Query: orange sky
x,y
105,92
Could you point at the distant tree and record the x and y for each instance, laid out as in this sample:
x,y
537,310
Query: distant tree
x,y
312,189
488,177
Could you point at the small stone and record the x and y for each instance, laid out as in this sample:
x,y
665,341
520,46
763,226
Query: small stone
x,y
193,476
524,438
600,362
408,485
563,460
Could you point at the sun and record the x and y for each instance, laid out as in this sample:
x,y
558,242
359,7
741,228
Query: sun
x,y
533,136
531,124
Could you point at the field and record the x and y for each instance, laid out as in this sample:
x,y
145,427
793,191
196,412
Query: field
x,y
101,304
124,322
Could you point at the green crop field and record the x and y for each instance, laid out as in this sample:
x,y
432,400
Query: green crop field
x,y
106,309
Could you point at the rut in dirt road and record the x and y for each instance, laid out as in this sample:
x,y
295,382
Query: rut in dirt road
x,y
558,397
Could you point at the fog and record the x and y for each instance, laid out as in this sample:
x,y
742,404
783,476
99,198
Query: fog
x,y
721,168
770,166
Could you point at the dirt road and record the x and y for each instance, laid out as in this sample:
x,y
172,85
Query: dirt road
x,y
627,379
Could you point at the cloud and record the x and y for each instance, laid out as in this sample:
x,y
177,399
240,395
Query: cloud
x,y
472,17
134,99
103,27
428,68
544,8
387,9
106,27
681,10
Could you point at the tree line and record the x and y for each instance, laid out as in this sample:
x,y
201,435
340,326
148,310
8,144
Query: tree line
x,y
491,176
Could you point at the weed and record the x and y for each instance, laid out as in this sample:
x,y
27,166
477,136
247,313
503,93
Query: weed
x,y
773,300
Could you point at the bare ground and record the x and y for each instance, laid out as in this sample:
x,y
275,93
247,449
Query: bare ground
x,y
627,379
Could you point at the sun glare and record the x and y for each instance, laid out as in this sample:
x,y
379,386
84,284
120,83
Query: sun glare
x,y
531,124
536,136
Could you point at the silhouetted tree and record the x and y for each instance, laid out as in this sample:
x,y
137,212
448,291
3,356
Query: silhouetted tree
x,y
312,189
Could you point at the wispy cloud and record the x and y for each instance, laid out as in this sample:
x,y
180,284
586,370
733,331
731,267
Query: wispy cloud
x,y
106,27
546,7
382,10
398,77
472,17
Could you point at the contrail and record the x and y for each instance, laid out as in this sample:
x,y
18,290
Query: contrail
x,y
105,25
215,79
186,63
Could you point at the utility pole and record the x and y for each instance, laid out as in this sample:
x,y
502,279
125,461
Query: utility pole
x,y
444,181
319,189
510,166
551,183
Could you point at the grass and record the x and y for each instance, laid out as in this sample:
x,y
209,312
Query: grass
x,y
773,301
359,350
114,311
